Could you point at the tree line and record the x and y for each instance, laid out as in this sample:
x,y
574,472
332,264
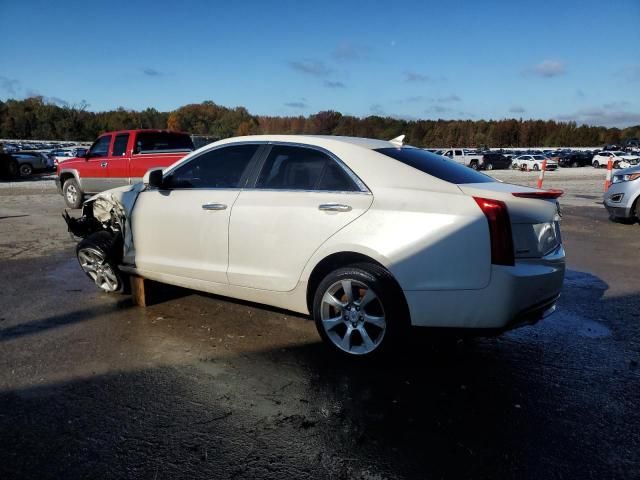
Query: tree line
x,y
36,118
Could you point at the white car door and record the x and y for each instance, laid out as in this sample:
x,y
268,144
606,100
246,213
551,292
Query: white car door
x,y
182,228
301,197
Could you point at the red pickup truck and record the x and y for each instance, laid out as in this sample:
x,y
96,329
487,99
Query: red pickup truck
x,y
119,158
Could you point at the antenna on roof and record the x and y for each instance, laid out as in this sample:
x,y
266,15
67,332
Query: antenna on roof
x,y
398,140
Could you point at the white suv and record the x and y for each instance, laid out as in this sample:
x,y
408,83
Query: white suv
x,y
620,159
533,162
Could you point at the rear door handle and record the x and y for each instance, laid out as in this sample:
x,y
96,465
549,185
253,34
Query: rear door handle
x,y
104,164
334,207
214,206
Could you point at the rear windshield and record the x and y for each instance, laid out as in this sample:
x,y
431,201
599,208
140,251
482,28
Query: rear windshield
x,y
435,165
162,142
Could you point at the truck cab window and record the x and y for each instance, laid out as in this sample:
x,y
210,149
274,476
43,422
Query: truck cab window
x,y
120,145
101,147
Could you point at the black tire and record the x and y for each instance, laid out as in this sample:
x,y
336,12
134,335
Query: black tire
x,y
474,165
575,165
535,167
104,248
72,194
596,164
616,164
489,166
389,304
25,170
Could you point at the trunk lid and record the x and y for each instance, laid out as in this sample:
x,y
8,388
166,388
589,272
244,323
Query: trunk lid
x,y
534,221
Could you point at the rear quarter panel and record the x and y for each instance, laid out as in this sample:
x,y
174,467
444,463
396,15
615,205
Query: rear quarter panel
x,y
428,240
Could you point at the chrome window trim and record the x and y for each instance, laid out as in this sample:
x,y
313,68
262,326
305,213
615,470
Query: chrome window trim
x,y
363,189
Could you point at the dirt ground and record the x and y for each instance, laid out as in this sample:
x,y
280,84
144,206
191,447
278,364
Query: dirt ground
x,y
197,386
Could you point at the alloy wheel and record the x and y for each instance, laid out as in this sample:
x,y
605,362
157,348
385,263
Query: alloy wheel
x,y
95,265
72,194
353,317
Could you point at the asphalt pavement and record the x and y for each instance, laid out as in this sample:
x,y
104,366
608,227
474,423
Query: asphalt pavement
x,y
197,386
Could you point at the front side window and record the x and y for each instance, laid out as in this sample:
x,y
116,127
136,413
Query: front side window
x,y
101,147
120,144
219,168
299,168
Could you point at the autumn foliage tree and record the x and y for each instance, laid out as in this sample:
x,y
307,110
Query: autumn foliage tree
x,y
39,118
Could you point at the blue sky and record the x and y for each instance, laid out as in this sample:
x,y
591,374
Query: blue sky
x,y
567,60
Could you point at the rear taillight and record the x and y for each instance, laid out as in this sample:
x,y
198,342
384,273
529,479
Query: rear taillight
x,y
499,230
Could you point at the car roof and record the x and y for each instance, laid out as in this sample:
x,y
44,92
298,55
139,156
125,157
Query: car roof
x,y
317,140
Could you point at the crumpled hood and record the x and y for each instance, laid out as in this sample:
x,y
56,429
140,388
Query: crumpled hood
x,y
116,205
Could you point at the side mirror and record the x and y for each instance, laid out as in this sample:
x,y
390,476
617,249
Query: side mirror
x,y
153,178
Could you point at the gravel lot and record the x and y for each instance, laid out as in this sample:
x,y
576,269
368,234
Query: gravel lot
x,y
197,386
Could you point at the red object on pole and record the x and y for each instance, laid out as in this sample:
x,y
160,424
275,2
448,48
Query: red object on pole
x,y
607,181
541,176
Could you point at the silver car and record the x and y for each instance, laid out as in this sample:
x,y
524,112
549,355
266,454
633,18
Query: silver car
x,y
621,199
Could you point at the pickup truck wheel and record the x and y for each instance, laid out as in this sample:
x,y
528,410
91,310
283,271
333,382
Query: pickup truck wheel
x,y
358,311
489,166
98,256
26,170
474,165
72,193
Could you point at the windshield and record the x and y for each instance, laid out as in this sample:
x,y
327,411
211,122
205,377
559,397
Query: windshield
x,y
435,165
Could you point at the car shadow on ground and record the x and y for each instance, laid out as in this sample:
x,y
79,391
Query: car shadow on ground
x,y
546,401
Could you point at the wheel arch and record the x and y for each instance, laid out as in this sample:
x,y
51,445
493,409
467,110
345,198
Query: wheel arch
x,y
338,260
68,174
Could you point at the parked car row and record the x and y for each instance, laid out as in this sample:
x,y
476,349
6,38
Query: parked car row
x,y
533,159
23,164
11,147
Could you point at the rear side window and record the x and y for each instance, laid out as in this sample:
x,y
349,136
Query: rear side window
x,y
298,168
435,165
219,168
147,142
120,144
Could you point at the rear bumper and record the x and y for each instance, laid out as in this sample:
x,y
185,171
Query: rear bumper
x,y
518,295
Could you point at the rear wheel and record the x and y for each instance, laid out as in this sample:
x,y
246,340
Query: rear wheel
x,y
26,170
474,165
72,194
489,166
99,255
359,310
596,164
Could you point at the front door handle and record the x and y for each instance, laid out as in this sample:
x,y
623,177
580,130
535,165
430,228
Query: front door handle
x,y
334,207
104,164
214,206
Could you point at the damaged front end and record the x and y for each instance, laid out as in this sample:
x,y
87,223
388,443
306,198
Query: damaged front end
x,y
110,211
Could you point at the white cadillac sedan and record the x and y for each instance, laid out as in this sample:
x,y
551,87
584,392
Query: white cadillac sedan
x,y
369,237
